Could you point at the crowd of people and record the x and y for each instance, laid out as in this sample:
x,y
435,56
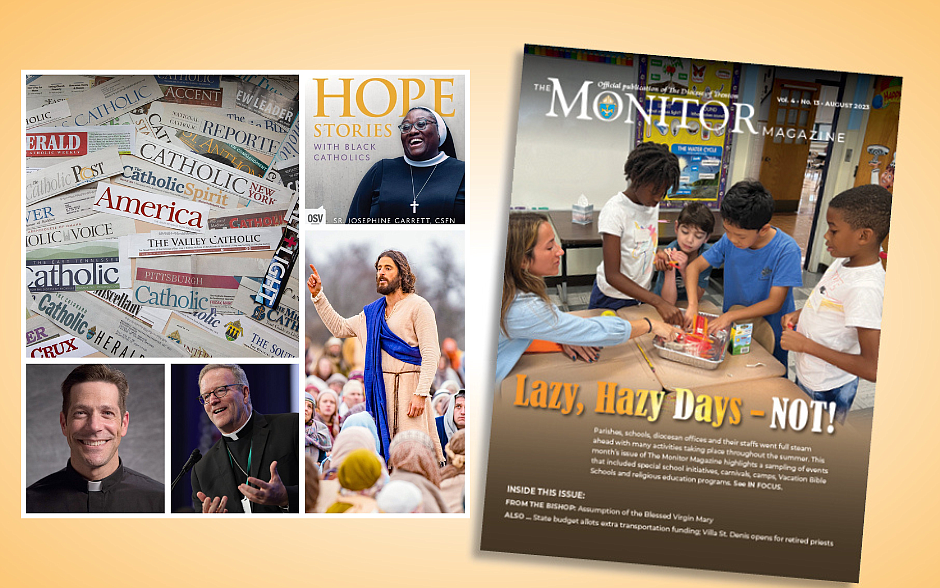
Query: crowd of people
x,y
346,471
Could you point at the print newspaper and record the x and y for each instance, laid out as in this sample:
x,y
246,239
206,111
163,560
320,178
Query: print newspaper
x,y
161,216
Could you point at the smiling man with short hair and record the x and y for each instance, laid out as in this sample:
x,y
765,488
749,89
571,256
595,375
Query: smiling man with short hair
x,y
253,467
94,419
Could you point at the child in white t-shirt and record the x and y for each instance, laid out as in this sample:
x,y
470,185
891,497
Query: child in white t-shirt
x,y
628,225
836,335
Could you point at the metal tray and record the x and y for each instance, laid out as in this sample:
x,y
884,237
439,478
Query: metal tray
x,y
688,358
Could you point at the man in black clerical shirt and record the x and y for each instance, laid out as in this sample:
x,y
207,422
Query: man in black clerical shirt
x,y
94,420
241,472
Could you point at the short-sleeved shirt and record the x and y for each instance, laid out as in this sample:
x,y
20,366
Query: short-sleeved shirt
x,y
680,282
751,273
637,227
845,299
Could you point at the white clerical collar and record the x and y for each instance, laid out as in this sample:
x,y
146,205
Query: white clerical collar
x,y
233,436
427,163
94,486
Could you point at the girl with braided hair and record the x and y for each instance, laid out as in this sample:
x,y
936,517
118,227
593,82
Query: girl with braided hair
x,y
628,225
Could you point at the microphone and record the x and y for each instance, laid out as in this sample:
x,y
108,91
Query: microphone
x,y
193,458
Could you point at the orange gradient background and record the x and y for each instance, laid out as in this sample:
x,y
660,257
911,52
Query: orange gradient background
x,y
487,39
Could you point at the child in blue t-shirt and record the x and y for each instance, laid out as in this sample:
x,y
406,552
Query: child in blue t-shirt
x,y
761,263
693,227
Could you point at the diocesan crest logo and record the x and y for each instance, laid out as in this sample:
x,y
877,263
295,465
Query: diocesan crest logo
x,y
233,330
607,108
91,333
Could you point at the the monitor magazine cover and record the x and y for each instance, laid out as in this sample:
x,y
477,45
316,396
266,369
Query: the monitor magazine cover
x,y
691,313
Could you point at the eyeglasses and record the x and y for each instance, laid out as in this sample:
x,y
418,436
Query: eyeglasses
x,y
219,393
420,124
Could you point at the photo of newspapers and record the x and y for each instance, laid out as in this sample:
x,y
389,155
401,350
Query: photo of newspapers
x,y
161,215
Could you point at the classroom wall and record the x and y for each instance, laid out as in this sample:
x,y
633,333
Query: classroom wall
x,y
844,161
544,174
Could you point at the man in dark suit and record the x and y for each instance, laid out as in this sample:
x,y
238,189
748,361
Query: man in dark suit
x,y
241,472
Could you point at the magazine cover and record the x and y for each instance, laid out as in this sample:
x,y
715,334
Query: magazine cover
x,y
385,147
747,204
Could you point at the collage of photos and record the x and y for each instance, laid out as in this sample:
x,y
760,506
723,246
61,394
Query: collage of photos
x,y
257,284
165,221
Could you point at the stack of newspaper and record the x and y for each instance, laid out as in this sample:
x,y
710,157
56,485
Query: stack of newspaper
x,y
161,216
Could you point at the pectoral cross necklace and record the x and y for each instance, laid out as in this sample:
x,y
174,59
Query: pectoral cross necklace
x,y
414,200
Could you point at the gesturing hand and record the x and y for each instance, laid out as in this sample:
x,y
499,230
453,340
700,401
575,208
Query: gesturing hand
x,y
212,505
313,282
271,492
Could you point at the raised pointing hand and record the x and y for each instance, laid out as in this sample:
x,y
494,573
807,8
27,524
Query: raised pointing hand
x,y
313,282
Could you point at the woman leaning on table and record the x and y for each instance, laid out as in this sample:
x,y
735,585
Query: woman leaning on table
x,y
527,314
428,182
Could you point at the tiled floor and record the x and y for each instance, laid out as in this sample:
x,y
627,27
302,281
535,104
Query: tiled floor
x,y
800,223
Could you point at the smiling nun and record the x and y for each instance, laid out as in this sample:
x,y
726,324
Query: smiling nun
x,y
426,183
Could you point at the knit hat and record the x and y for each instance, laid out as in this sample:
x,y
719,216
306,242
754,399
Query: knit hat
x,y
360,470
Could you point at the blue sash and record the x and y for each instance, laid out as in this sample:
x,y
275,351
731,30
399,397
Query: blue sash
x,y
381,338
